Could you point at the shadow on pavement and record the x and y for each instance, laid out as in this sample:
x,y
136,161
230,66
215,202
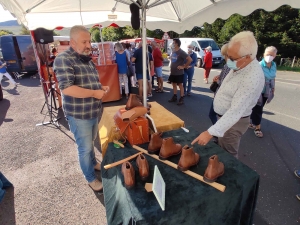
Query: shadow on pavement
x,y
4,106
7,208
268,113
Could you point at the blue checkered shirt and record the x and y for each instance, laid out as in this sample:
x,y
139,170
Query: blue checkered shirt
x,y
70,70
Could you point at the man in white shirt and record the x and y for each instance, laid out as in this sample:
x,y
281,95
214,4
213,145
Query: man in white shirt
x,y
237,95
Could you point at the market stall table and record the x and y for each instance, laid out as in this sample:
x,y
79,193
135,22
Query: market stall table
x,y
188,201
107,128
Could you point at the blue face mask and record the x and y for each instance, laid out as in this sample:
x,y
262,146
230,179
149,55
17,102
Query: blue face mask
x,y
232,64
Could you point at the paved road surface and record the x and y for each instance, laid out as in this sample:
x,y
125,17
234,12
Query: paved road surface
x,y
50,189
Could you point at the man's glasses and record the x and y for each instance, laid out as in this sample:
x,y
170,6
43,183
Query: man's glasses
x,y
237,59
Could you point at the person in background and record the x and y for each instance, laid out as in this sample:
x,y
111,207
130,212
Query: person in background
x,y
207,63
180,60
237,95
169,57
53,56
189,72
269,68
130,71
138,60
133,48
82,95
122,62
158,64
3,72
219,79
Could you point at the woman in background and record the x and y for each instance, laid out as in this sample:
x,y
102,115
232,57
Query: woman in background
x,y
122,62
207,63
269,68
189,72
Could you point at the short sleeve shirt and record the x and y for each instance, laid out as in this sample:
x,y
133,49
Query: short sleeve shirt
x,y
177,59
138,55
157,57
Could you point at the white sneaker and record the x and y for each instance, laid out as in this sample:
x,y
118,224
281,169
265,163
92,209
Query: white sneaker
x,y
96,185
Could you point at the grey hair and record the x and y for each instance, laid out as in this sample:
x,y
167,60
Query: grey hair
x,y
247,42
76,29
119,46
154,43
271,49
224,49
208,48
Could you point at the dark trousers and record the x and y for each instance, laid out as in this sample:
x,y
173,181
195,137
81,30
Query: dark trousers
x,y
212,114
1,93
257,112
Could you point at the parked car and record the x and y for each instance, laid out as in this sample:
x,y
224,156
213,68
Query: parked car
x,y
199,44
17,52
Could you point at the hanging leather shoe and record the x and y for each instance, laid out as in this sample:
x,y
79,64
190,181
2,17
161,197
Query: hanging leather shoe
x,y
142,164
141,99
129,175
188,158
132,102
169,148
214,169
155,143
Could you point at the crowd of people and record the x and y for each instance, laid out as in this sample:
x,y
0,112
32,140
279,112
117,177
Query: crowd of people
x,y
243,87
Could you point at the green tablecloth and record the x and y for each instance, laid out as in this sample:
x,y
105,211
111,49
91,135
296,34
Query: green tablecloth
x,y
188,201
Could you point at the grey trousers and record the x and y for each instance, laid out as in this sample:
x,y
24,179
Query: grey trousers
x,y
231,139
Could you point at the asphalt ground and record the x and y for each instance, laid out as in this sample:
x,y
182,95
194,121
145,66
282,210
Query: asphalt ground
x,y
41,161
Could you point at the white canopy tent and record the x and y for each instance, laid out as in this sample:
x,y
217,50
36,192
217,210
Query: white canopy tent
x,y
167,15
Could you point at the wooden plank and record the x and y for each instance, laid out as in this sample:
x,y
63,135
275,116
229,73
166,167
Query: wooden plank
x,y
108,166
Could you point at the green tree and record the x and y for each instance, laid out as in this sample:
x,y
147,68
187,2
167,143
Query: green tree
x,y
24,30
111,34
129,32
5,32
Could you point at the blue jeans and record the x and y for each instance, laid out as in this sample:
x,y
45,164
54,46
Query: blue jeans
x,y
188,77
212,114
85,133
4,183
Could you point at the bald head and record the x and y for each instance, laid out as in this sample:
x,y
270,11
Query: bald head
x,y
80,40
153,44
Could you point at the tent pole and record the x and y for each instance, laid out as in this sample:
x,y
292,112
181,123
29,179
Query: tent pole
x,y
144,46
101,38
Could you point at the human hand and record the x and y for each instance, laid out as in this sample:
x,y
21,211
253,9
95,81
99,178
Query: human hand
x,y
203,138
216,78
180,67
273,90
99,94
105,88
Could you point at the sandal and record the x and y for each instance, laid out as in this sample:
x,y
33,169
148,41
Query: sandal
x,y
251,126
258,133
159,91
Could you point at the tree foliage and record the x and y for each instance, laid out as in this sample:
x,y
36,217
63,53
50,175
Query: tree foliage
x,y
5,32
280,28
24,30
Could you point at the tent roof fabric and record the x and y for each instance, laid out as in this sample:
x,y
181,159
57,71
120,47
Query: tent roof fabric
x,y
175,15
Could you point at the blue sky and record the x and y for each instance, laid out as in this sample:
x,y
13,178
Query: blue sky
x,y
5,15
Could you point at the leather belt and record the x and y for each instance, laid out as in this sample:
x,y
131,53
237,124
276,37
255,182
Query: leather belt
x,y
241,117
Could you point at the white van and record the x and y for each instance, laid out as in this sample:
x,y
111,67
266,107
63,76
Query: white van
x,y
199,45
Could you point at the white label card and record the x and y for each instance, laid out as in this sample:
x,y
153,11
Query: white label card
x,y
159,188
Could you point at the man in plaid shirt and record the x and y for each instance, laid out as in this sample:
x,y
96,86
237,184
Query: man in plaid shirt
x,y
82,92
